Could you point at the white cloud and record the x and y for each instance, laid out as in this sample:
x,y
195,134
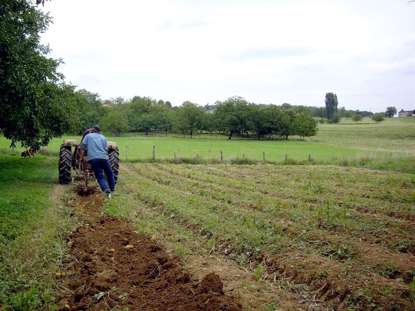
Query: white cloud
x,y
267,51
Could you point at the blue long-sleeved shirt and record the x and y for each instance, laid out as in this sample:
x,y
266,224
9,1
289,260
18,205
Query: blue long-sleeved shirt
x,y
96,146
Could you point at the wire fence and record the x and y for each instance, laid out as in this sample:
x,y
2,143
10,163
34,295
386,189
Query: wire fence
x,y
219,158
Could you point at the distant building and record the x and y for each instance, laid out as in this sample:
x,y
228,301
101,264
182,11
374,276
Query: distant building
x,y
406,113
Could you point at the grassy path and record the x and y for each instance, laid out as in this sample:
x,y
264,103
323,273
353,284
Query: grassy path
x,y
33,224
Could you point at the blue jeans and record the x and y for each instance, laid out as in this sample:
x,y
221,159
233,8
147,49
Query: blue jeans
x,y
101,166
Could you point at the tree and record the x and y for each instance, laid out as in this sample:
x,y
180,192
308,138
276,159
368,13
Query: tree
x,y
278,121
232,116
390,112
31,89
378,117
189,118
146,115
115,122
286,124
331,107
85,110
357,117
259,120
304,125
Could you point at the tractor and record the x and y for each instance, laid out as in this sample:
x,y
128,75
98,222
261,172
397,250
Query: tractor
x,y
73,158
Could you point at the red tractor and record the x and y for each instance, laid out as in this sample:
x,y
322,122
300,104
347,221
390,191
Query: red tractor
x,y
73,158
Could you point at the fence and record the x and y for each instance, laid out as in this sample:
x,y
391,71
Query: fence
x,y
197,158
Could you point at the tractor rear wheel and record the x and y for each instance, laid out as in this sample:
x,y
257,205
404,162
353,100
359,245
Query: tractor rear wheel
x,y
65,165
114,159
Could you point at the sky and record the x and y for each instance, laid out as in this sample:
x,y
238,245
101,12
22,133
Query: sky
x,y
267,51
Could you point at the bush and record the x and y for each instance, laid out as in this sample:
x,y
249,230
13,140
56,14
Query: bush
x,y
378,117
357,118
243,161
335,119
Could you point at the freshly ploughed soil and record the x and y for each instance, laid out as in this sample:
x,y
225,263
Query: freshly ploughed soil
x,y
112,267
85,191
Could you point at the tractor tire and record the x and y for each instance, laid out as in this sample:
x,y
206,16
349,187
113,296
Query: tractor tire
x,y
114,159
65,165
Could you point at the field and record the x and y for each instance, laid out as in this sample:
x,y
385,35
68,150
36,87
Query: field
x,y
333,233
140,148
392,136
390,139
345,234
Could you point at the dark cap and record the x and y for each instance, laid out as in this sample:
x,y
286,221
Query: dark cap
x,y
97,128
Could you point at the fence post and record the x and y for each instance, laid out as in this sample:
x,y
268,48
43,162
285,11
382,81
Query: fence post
x,y
126,153
243,156
221,156
175,157
154,153
263,156
309,157
286,157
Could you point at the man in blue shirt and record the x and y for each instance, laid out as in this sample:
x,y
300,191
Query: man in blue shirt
x,y
96,146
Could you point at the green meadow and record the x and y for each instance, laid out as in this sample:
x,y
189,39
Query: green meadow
x,y
393,136
388,144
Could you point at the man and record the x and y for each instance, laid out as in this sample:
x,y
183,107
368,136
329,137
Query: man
x,y
96,146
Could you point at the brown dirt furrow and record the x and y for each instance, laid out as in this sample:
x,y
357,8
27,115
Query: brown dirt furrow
x,y
112,267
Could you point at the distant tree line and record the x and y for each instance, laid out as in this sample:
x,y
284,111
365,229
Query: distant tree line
x,y
332,114
232,117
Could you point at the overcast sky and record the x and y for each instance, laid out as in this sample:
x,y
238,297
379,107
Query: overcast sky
x,y
266,51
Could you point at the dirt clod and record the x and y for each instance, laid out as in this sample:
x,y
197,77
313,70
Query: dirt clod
x,y
211,283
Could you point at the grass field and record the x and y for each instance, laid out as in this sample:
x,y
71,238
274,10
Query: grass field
x,y
31,232
209,148
392,136
386,140
346,233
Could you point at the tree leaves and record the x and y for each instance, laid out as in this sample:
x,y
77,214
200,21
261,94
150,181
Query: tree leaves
x,y
31,91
